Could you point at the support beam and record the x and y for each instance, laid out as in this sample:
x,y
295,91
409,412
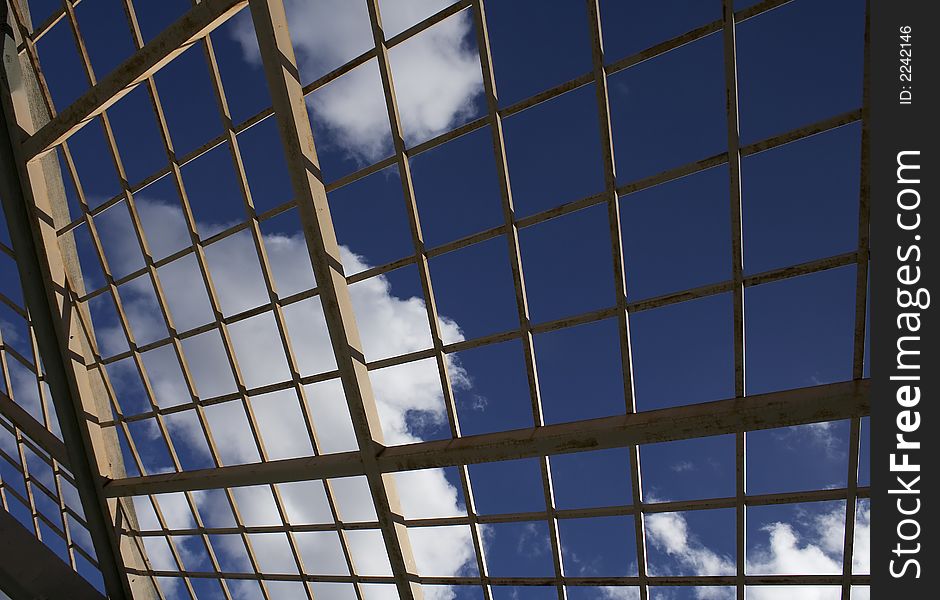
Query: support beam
x,y
326,466
737,277
28,569
44,316
290,110
765,411
170,43
34,204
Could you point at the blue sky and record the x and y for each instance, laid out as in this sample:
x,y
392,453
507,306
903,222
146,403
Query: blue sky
x,y
800,203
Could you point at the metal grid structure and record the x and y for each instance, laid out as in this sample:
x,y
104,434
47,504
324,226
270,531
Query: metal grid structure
x,y
38,488
43,148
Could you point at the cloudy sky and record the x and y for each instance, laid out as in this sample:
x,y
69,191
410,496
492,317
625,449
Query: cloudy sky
x,y
665,112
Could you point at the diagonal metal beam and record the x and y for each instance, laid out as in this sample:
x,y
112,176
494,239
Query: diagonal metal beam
x,y
280,66
17,190
34,202
829,402
26,423
170,43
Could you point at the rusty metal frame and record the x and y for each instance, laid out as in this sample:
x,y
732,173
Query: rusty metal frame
x,y
373,459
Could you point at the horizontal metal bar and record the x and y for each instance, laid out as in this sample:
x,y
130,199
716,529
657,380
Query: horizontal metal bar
x,y
813,266
342,464
556,513
777,409
675,580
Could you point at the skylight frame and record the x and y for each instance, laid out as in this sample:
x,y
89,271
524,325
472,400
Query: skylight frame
x,y
268,13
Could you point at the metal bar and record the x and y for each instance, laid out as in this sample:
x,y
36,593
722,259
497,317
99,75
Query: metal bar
x,y
861,309
283,78
381,51
515,258
34,429
568,513
36,33
737,278
267,274
682,580
814,266
580,513
765,411
620,283
851,502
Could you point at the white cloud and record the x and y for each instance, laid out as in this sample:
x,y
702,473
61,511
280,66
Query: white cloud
x,y
620,593
25,389
827,436
790,552
824,435
436,73
787,552
408,398
669,532
459,559
322,553
11,336
532,541
861,556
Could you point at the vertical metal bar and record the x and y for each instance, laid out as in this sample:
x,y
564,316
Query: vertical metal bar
x,y
417,236
737,270
861,308
522,307
283,78
851,503
620,283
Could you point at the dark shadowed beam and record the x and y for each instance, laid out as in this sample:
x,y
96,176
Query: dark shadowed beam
x,y
765,411
861,309
28,569
737,271
830,402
